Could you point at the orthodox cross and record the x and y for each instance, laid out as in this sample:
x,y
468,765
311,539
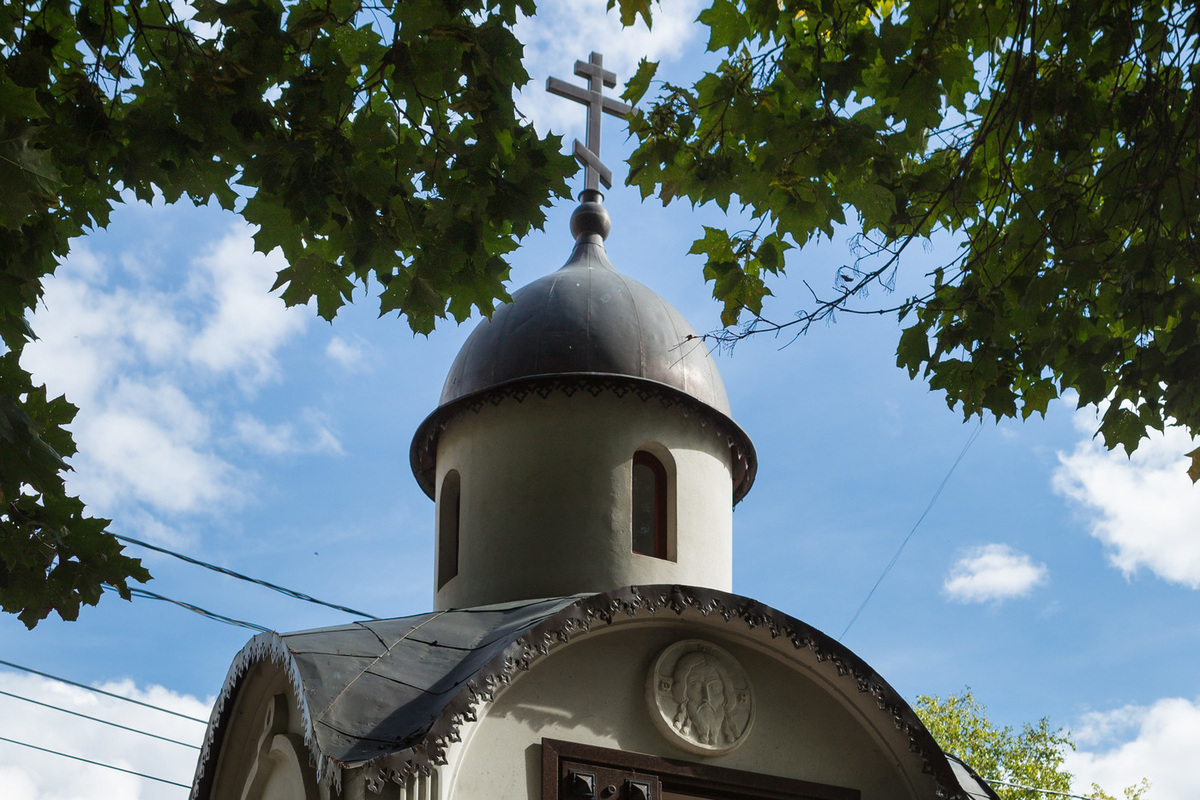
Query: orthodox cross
x,y
592,97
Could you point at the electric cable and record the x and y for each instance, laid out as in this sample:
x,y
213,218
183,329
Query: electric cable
x,y
970,441
225,571
1043,791
103,692
96,763
204,612
98,719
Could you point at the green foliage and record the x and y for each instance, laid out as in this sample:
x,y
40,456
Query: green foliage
x,y
1060,142
367,141
632,10
1032,758
378,147
52,556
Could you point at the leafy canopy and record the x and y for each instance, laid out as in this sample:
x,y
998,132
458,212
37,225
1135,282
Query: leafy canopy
x,y
1057,141
377,145
1033,758
374,143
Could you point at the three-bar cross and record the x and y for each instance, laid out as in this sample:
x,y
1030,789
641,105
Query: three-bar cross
x,y
592,97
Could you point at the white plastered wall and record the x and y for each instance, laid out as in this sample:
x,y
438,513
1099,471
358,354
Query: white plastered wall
x,y
592,692
545,505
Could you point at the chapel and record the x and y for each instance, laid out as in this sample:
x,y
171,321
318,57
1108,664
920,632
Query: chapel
x,y
584,642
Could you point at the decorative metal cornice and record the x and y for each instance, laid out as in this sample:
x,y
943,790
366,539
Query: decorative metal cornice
x,y
423,451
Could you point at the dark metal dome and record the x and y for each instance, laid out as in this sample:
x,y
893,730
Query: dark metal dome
x,y
586,321
587,318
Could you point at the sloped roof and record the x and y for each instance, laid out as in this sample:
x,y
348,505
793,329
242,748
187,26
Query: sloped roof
x,y
390,695
975,787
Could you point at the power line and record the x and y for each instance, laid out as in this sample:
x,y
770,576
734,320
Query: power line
x,y
225,571
204,612
96,763
970,441
103,692
97,719
1043,791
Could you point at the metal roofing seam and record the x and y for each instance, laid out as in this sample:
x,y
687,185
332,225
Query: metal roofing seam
x,y
381,656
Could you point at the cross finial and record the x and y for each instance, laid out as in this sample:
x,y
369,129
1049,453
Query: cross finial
x,y
592,97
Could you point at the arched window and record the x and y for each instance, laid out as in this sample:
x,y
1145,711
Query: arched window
x,y
447,507
649,505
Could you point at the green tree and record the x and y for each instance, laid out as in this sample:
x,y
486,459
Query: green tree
x,y
1059,141
374,143
377,145
1033,758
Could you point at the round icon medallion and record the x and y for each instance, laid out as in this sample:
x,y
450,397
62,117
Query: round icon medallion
x,y
700,697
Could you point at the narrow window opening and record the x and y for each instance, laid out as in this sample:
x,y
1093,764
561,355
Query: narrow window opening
x,y
649,505
448,508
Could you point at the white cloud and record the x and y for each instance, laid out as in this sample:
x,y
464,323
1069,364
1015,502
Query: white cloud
x,y
1145,508
563,33
130,455
90,334
150,360
143,525
27,774
272,439
248,323
1104,729
1159,742
348,355
283,439
992,572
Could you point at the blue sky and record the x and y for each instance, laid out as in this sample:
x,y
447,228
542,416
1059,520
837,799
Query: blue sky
x,y
1054,579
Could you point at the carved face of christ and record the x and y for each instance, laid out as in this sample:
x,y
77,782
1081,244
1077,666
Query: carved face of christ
x,y
703,692
706,703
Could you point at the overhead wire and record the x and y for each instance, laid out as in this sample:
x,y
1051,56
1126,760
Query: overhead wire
x,y
1042,791
96,763
98,719
970,441
102,691
231,573
204,612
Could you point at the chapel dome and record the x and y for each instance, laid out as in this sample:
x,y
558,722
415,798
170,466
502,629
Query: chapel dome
x,y
586,325
587,319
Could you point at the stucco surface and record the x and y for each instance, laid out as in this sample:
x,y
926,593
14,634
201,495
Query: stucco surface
x,y
545,503
590,692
